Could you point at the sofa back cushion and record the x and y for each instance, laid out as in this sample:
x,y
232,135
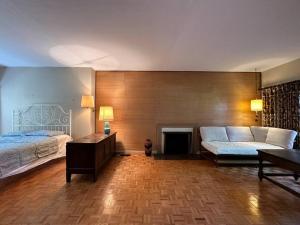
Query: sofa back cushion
x,y
239,134
281,137
259,133
213,134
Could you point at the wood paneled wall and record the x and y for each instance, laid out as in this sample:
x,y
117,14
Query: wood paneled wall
x,y
145,101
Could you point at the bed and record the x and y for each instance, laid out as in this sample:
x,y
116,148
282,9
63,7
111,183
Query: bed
x,y
39,135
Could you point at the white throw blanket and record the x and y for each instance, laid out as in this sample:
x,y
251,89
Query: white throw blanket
x,y
17,151
46,147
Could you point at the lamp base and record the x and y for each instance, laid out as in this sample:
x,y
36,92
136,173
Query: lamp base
x,y
106,128
256,117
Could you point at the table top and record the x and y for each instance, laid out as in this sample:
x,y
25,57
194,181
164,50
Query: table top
x,y
92,138
285,154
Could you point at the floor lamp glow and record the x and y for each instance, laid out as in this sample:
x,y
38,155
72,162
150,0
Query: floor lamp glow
x,y
106,114
87,101
256,106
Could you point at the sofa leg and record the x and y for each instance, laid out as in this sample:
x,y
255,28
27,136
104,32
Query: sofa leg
x,y
216,162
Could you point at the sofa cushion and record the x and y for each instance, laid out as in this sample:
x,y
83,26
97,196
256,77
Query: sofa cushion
x,y
236,148
259,133
239,133
213,134
281,137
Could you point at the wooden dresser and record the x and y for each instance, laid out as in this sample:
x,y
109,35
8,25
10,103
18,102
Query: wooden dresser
x,y
88,154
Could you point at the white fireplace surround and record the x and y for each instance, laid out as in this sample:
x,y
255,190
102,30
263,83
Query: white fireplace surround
x,y
174,129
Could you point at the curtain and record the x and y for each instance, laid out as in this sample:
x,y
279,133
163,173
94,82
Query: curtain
x,y
282,106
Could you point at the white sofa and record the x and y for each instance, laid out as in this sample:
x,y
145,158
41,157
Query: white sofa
x,y
244,141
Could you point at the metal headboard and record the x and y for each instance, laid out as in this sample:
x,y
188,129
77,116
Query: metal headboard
x,y
42,117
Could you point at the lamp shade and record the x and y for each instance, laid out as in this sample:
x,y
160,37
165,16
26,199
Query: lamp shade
x,y
87,101
106,113
256,105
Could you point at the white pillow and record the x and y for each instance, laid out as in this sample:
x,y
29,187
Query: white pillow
x,y
281,137
213,134
259,133
49,133
239,134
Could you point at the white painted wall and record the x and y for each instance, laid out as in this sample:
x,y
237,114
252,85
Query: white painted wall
x,y
64,86
281,74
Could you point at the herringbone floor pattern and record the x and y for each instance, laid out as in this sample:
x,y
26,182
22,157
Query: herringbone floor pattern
x,y
138,190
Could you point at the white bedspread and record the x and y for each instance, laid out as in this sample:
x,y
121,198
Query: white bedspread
x,y
236,148
19,151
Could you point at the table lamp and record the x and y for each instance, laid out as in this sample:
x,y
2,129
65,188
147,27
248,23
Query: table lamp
x,y
106,114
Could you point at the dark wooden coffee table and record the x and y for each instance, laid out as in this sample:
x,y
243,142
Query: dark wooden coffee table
x,y
286,159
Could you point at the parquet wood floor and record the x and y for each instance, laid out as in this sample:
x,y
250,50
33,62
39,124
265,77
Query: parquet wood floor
x,y
138,190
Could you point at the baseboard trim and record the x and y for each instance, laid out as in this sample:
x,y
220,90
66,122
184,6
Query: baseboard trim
x,y
130,152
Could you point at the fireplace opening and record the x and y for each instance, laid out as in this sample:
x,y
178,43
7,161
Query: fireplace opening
x,y
177,143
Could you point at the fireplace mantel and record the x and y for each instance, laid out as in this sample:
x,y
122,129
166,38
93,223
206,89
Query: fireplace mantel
x,y
177,129
174,130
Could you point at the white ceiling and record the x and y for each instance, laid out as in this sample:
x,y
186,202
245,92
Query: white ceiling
x,y
201,35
